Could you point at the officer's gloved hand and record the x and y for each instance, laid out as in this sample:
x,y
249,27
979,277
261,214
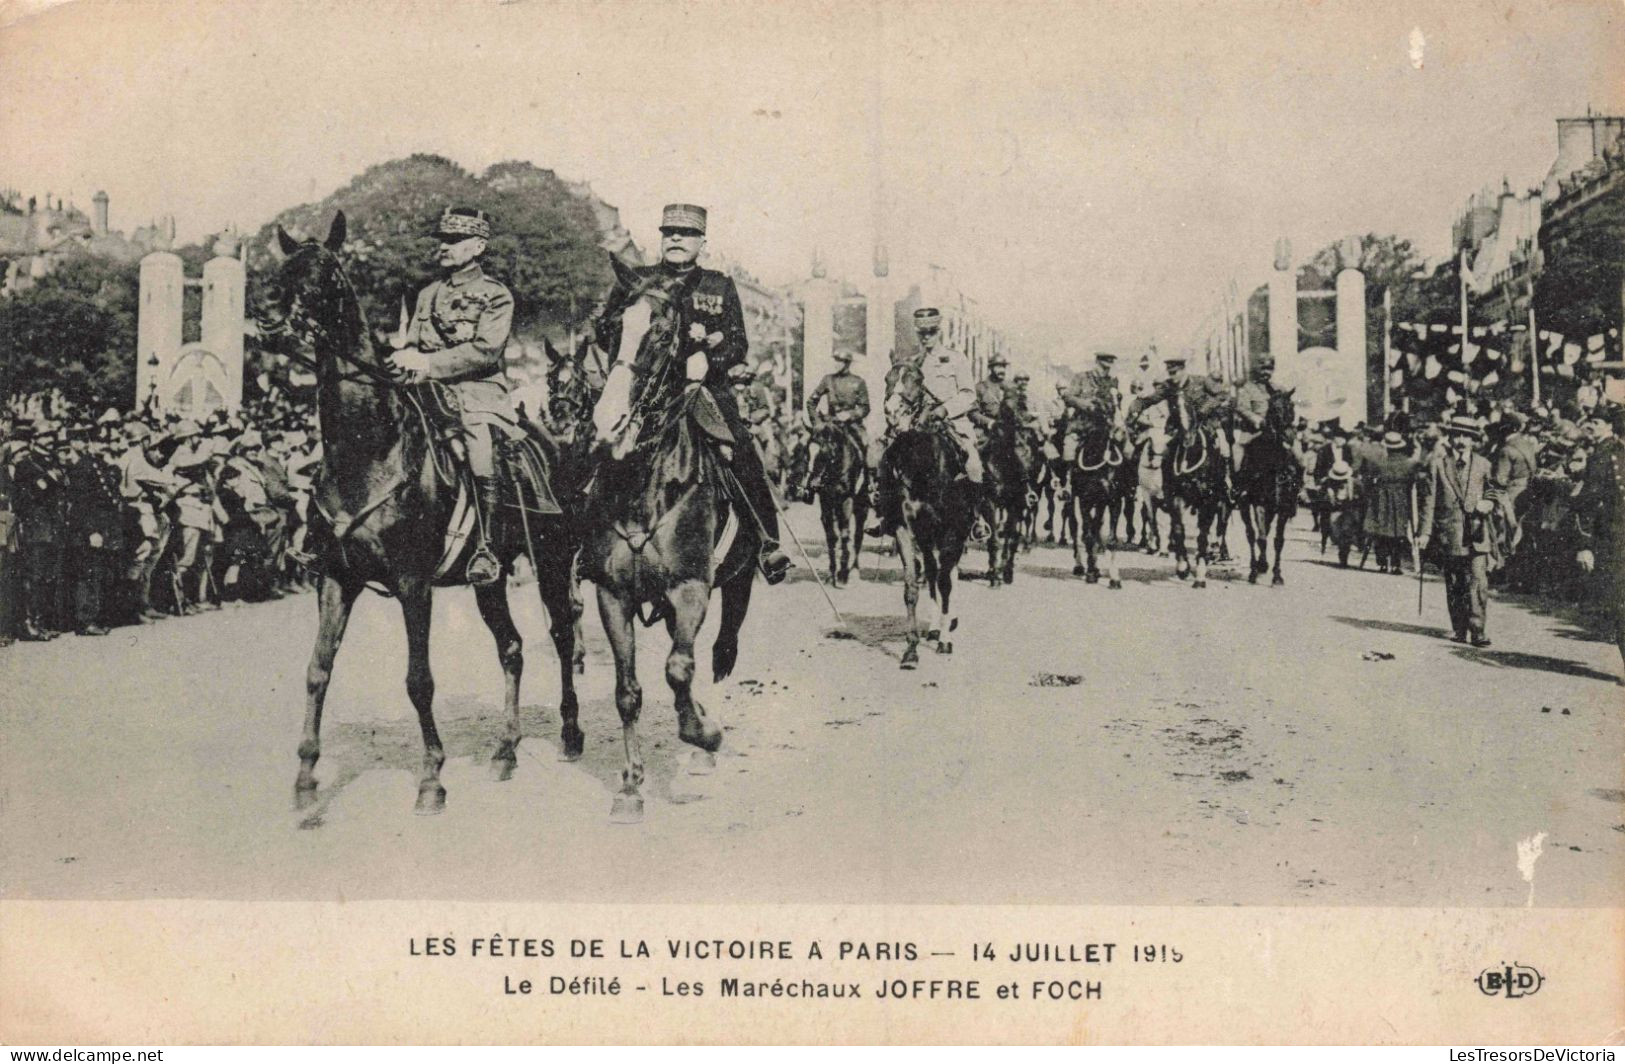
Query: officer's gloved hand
x,y
696,367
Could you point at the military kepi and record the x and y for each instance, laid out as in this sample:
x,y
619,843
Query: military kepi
x,y
927,318
683,216
463,222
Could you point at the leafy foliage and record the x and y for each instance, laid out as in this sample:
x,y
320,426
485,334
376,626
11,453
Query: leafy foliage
x,y
1578,291
545,243
74,331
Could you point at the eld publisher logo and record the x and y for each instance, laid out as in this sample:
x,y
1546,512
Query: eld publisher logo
x,y
1510,980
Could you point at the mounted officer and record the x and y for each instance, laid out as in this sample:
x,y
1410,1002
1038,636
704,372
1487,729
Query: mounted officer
x,y
1094,395
1194,404
840,402
457,335
948,377
711,327
1252,405
991,393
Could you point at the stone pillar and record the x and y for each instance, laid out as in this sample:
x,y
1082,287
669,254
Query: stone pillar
x,y
1284,309
224,283
158,322
1351,354
880,330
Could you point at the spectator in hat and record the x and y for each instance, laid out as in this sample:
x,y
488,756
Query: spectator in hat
x,y
1391,478
1458,493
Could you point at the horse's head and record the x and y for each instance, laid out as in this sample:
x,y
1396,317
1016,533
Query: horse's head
x,y
1281,417
574,382
905,395
640,325
310,303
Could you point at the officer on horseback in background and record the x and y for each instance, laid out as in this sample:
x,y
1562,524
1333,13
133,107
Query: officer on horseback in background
x,y
1253,406
948,377
1094,395
712,340
841,400
1194,404
991,393
457,335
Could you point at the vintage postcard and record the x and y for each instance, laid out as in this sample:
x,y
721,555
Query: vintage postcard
x,y
836,521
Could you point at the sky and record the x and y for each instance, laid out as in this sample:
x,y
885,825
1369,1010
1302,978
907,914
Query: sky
x,y
1092,173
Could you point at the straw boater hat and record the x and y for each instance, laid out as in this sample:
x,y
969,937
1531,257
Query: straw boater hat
x,y
1464,426
1393,441
1340,471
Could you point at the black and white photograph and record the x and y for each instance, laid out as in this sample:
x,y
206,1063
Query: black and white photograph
x,y
802,466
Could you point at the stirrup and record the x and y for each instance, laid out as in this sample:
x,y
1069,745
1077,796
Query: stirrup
x,y
483,567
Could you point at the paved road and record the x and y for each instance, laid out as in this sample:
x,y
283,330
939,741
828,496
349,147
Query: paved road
x,y
1156,745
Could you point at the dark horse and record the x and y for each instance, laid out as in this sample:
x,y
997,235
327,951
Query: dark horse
x,y
1194,476
1008,459
841,485
1097,486
381,508
658,514
937,506
1267,486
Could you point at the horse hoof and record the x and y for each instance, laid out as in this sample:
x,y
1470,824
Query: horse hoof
x,y
431,800
1183,574
1078,570
626,809
1278,582
1252,578
581,668
945,648
701,762
304,795
911,659
933,634
1091,578
1115,585
502,768
1197,585
571,742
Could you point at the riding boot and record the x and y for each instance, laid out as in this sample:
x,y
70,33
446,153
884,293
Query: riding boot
x,y
885,504
483,567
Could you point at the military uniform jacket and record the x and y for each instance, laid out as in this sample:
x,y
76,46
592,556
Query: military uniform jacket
x,y
1516,463
95,506
706,298
1093,394
37,486
947,376
1450,498
1203,400
1600,511
843,392
990,398
1252,405
462,323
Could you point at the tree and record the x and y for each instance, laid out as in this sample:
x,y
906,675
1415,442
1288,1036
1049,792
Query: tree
x,y
545,245
74,330
1578,291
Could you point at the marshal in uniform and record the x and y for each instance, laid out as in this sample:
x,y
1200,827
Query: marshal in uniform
x,y
457,336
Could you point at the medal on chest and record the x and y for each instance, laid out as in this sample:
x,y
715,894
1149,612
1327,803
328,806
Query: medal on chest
x,y
706,303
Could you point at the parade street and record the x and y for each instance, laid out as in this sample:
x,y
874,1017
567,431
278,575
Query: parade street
x,y
1312,744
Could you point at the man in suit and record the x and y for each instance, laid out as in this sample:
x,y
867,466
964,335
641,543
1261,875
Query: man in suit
x,y
1458,494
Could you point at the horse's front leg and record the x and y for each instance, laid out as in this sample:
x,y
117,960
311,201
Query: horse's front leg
x,y
492,600
617,615
908,552
1204,522
688,606
832,545
415,610
1079,515
995,543
334,602
1277,579
561,594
